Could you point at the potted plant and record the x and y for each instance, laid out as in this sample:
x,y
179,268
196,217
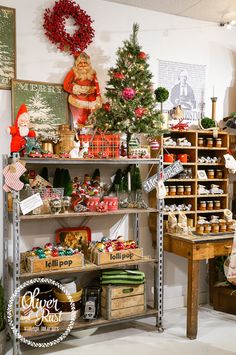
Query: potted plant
x,y
2,320
162,95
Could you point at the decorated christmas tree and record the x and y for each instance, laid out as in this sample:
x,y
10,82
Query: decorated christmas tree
x,y
131,101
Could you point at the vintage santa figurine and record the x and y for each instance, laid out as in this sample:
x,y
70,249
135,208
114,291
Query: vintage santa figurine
x,y
82,85
20,130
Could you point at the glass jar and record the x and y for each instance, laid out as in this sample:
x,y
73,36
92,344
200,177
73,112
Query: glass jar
x,y
167,190
209,142
215,227
230,226
180,190
207,228
223,225
210,173
188,190
202,206
200,228
210,205
172,190
200,141
219,174
218,143
217,205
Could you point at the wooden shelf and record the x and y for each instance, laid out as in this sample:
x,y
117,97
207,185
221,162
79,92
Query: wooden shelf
x,y
210,211
178,147
181,163
83,324
179,196
209,180
177,212
213,148
212,195
87,213
211,164
85,268
70,161
181,180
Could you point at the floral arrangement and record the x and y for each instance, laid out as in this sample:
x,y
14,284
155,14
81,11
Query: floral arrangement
x,y
55,26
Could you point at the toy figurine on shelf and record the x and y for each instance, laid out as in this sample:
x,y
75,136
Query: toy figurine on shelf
x,y
178,115
20,130
83,88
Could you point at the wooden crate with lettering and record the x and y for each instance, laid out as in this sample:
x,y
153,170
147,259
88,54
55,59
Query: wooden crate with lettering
x,y
34,264
123,301
120,256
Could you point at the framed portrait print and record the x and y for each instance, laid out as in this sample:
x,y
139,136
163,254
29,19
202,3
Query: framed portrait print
x,y
46,104
7,46
201,174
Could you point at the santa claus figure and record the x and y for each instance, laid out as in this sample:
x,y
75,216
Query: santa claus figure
x,y
20,130
82,85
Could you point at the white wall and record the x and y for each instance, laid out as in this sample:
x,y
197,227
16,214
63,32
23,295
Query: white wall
x,y
163,36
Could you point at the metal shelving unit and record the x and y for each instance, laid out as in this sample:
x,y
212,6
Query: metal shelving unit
x,y
18,274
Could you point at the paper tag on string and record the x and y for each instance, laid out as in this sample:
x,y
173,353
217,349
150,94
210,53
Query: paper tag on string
x,y
30,203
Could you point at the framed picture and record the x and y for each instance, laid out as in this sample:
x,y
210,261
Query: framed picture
x,y
46,104
201,174
7,46
73,237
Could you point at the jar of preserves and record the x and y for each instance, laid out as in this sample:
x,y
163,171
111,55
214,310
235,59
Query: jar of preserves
x,y
188,190
218,143
202,205
172,190
167,190
200,227
217,205
210,205
219,174
200,141
223,225
180,190
209,142
210,173
207,228
215,227
230,226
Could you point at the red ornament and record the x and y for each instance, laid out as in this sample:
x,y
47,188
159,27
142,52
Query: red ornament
x,y
118,75
128,93
139,112
154,145
142,55
54,26
54,253
106,106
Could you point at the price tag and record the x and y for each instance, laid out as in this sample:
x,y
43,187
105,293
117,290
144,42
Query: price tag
x,y
30,203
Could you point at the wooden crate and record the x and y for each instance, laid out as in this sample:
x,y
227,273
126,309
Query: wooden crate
x,y
123,301
224,299
33,264
116,256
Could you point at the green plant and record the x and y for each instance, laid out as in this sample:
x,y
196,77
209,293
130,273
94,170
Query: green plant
x,y
162,95
2,307
207,122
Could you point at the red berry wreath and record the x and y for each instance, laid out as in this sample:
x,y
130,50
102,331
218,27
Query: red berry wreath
x,y
54,25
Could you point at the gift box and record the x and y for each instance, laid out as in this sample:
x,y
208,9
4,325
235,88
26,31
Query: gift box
x,y
102,145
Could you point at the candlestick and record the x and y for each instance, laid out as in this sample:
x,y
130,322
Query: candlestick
x,y
213,107
129,182
213,91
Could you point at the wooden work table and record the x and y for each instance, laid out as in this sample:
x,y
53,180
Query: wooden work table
x,y
196,248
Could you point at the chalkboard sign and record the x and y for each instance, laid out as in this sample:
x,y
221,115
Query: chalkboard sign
x,y
168,173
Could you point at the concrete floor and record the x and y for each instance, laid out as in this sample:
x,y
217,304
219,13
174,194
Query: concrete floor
x,y
216,336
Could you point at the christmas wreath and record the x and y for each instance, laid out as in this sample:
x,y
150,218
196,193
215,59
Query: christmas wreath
x,y
55,21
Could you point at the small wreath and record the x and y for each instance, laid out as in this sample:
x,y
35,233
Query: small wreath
x,y
54,25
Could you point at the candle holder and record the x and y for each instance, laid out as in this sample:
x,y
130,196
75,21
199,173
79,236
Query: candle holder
x,y
213,107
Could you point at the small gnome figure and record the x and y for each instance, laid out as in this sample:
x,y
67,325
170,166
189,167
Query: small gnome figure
x,y
20,130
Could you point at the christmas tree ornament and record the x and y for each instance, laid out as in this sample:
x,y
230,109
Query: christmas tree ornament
x,y
142,55
107,107
84,93
139,112
154,145
118,75
20,131
128,93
